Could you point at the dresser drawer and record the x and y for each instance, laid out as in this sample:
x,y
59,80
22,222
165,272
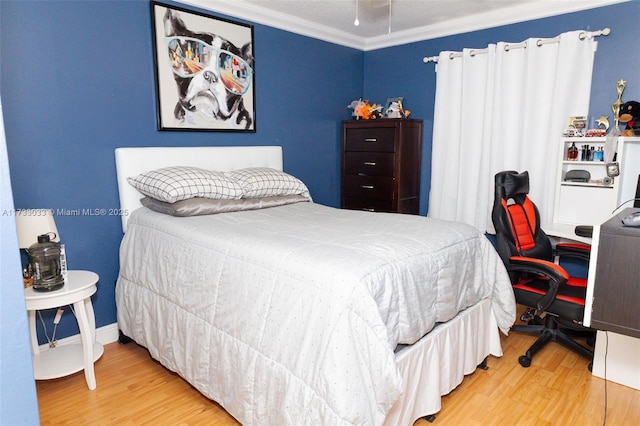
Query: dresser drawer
x,y
367,204
372,139
380,188
369,163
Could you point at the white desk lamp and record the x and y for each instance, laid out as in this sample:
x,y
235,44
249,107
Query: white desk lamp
x,y
31,223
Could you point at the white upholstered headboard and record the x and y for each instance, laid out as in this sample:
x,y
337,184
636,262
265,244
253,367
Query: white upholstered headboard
x,y
133,161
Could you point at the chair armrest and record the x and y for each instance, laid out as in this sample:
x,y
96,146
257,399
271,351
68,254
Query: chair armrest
x,y
584,231
575,250
555,273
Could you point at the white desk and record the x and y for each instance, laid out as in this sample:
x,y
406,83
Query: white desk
x,y
565,233
67,359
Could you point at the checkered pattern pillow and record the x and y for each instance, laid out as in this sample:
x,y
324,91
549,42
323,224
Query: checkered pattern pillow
x,y
267,182
171,184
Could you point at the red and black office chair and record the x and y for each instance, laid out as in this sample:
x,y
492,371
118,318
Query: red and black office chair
x,y
538,283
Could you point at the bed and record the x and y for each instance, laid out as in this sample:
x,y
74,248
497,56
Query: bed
x,y
295,313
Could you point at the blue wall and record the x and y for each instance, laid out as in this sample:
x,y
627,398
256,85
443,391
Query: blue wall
x,y
76,81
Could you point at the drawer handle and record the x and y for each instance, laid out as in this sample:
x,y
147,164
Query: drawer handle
x,y
368,210
371,140
369,163
366,186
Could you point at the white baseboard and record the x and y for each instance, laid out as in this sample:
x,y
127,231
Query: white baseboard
x,y
104,335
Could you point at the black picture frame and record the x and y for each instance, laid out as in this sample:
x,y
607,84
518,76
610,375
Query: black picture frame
x,y
204,71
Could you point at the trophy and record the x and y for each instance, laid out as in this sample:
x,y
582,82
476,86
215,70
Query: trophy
x,y
616,105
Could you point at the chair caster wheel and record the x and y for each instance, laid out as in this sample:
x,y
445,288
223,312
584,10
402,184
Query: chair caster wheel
x,y
524,361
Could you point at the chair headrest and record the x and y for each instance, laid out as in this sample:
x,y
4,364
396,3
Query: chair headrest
x,y
515,184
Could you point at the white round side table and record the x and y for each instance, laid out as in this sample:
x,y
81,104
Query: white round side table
x,y
63,360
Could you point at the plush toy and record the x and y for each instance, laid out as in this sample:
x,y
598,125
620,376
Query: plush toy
x,y
362,110
375,111
357,107
630,114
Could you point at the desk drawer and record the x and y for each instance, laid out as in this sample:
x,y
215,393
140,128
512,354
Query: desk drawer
x,y
369,163
375,187
373,139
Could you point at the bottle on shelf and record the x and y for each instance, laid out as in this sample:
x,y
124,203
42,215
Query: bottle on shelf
x,y
599,154
572,152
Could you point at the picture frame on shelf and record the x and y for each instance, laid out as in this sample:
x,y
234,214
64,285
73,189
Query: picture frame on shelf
x,y
204,71
387,112
579,123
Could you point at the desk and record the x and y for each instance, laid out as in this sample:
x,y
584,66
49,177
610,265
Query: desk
x,y
613,297
614,275
565,233
67,359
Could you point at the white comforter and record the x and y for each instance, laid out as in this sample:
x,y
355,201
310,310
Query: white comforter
x,y
290,315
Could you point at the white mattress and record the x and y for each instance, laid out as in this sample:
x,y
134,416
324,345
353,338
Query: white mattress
x,y
290,315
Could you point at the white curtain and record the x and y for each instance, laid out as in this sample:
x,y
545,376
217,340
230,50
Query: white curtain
x,y
504,109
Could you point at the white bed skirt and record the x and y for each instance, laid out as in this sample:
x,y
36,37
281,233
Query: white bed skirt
x,y
438,362
434,365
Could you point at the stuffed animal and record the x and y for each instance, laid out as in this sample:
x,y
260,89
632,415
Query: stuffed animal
x,y
362,110
375,111
630,114
357,107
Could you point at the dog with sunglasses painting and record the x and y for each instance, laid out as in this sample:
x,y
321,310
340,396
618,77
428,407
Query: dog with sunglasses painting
x,y
211,73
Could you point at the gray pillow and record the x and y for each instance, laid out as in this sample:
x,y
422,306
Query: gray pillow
x,y
205,206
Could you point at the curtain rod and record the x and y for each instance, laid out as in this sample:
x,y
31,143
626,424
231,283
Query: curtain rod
x,y
582,36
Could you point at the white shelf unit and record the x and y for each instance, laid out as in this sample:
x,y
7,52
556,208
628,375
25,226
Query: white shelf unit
x,y
629,158
593,202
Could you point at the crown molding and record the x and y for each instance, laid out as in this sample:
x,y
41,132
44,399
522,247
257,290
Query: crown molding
x,y
521,13
271,18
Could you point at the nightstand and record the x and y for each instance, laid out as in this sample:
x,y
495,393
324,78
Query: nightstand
x,y
67,359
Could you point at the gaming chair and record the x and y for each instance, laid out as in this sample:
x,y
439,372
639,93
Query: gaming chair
x,y
538,283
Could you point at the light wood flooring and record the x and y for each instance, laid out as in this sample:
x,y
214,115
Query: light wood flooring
x,y
557,389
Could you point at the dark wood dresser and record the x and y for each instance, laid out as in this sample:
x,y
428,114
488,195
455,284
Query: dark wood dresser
x,y
381,165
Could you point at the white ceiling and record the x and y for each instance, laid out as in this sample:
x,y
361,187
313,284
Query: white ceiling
x,y
411,20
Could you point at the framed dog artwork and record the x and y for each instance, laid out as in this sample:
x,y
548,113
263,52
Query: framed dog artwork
x,y
205,75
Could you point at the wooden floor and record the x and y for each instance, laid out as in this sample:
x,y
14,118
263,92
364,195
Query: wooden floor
x,y
557,389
